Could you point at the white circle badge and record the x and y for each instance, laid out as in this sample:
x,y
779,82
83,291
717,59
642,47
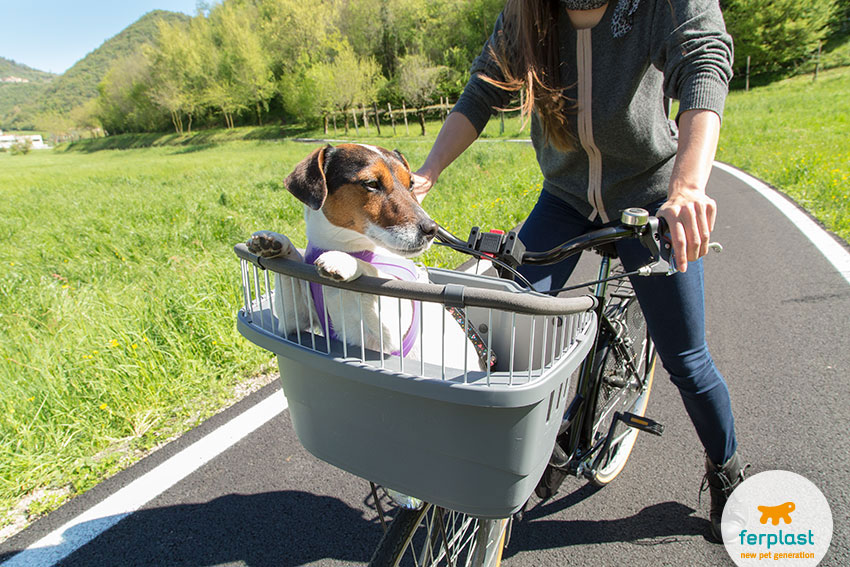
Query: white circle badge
x,y
777,517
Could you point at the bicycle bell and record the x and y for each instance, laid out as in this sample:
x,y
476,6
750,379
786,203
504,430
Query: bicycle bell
x,y
634,216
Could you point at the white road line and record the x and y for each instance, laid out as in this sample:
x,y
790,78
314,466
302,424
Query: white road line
x,y
79,531
834,252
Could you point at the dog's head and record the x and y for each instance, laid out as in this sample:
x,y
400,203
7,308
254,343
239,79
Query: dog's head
x,y
368,190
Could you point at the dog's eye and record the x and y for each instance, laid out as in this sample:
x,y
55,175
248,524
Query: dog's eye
x,y
372,185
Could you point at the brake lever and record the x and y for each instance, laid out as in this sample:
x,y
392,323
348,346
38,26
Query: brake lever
x,y
666,262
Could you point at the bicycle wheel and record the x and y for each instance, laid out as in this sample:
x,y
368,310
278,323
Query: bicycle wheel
x,y
433,536
624,368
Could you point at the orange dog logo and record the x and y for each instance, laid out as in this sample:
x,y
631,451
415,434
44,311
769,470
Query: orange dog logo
x,y
776,513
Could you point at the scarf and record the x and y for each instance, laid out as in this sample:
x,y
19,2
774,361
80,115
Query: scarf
x,y
624,13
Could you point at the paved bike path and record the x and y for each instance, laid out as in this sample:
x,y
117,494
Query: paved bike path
x,y
778,316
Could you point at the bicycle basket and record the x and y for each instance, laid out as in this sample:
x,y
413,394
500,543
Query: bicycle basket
x,y
471,440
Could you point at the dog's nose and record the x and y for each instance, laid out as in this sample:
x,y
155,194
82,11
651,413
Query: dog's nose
x,y
428,227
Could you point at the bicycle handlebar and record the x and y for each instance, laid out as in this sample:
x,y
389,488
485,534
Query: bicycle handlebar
x,y
509,250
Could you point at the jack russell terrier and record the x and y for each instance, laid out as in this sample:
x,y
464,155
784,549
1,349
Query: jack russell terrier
x,y
362,218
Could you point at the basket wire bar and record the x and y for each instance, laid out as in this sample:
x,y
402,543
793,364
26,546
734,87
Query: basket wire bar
x,y
362,333
258,293
513,344
443,350
489,343
246,289
344,337
295,310
269,292
381,334
421,342
312,326
327,339
466,350
400,339
531,347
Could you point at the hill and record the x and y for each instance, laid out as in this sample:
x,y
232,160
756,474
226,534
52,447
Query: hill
x,y
19,85
11,69
79,83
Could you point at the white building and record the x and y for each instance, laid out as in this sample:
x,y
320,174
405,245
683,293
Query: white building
x,y
9,140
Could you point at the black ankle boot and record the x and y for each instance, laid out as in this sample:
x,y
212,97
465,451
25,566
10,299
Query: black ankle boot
x,y
720,481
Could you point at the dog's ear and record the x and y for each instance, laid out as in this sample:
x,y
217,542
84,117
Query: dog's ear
x,y
402,158
307,181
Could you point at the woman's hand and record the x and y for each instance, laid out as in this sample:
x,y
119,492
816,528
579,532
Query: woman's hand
x,y
455,136
422,183
690,214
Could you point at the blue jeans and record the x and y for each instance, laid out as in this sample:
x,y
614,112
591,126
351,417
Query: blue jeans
x,y
674,308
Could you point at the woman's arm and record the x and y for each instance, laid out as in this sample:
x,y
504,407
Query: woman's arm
x,y
455,136
688,210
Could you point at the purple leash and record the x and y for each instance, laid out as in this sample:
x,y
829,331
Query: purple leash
x,y
399,268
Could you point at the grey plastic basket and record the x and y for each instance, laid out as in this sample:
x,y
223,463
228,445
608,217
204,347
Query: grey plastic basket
x,y
470,440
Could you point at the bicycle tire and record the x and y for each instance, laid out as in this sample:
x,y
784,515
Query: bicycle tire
x,y
618,387
418,537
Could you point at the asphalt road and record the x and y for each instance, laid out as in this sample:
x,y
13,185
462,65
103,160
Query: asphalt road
x,y
778,316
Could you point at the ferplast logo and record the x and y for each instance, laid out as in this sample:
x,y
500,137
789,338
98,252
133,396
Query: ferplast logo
x,y
777,516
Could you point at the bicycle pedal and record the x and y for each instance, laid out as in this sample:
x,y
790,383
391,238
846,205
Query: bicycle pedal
x,y
642,423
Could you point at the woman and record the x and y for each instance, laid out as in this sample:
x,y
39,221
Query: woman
x,y
599,76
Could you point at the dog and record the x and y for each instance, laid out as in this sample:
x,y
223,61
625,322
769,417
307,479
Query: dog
x,y
363,219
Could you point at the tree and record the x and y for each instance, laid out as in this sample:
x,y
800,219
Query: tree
x,y
176,73
418,81
776,34
334,86
123,102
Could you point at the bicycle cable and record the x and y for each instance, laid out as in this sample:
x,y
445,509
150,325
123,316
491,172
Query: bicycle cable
x,y
587,284
483,255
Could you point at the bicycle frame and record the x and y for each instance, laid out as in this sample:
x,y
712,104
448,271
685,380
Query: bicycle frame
x,y
577,424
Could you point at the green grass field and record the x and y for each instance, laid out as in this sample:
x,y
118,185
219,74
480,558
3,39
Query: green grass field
x,y
795,134
118,285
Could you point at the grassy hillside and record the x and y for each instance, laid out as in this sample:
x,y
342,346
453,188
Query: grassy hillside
x,y
79,83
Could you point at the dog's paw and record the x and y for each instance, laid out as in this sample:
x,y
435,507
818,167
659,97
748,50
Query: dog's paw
x,y
338,266
268,244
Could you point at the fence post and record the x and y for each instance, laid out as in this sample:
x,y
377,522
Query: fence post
x,y
325,123
377,119
392,116
747,88
817,63
404,111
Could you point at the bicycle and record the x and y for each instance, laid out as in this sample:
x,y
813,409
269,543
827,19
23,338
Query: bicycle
x,y
501,433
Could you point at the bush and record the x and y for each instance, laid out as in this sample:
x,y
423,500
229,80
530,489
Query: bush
x,y
21,148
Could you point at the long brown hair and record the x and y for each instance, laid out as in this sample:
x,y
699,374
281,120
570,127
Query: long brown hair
x,y
527,52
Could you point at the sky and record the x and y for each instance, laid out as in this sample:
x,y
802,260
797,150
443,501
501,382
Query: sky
x,y
52,35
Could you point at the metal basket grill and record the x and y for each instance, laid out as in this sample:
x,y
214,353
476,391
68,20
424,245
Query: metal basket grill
x,y
464,438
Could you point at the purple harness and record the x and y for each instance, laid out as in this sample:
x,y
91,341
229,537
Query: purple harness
x,y
399,268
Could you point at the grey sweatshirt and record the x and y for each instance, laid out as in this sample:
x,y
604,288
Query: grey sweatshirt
x,y
626,143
